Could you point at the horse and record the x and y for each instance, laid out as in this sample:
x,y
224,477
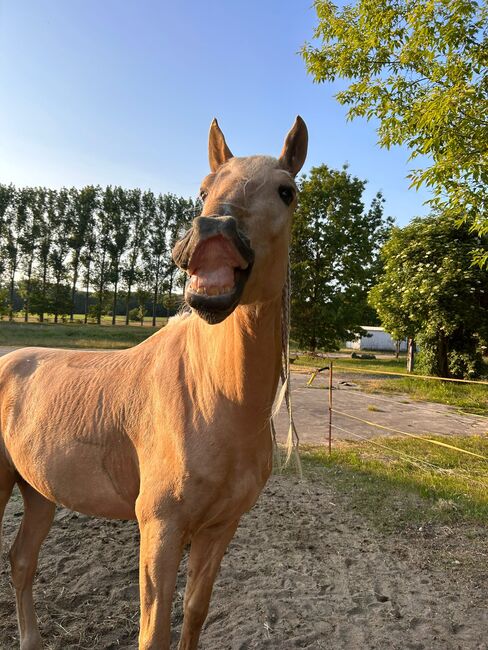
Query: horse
x,y
174,432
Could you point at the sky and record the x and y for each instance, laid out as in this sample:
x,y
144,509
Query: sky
x,y
123,92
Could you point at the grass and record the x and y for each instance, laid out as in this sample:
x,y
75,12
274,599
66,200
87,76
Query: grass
x,y
79,319
72,335
395,490
470,398
391,365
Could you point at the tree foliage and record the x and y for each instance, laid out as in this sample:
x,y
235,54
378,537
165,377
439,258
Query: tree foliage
x,y
334,257
110,241
431,292
420,68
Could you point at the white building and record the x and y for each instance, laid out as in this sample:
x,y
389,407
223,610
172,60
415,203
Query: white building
x,y
375,338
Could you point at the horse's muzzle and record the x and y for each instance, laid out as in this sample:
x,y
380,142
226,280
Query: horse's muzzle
x,y
218,258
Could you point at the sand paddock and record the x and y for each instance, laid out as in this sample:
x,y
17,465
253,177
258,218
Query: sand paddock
x,y
305,570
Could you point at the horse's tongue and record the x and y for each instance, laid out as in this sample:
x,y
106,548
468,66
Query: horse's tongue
x,y
221,277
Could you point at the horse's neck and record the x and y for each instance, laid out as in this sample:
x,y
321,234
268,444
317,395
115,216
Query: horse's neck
x,y
239,358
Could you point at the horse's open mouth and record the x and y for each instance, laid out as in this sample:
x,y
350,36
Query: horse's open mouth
x,y
218,274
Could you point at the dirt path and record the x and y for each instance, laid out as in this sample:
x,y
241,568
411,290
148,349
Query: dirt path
x,y
305,570
400,412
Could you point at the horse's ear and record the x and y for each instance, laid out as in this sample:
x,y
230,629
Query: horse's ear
x,y
218,151
295,148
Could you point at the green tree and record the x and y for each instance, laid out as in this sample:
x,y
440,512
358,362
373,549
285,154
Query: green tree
x,y
7,199
141,209
83,204
29,240
334,257
115,207
100,265
16,219
431,292
48,228
59,296
156,248
419,67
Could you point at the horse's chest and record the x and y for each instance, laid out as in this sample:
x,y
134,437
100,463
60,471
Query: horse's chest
x,y
225,495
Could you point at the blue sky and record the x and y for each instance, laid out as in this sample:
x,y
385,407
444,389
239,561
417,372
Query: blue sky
x,y
123,92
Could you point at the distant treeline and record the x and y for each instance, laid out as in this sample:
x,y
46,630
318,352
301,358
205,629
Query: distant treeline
x,y
112,244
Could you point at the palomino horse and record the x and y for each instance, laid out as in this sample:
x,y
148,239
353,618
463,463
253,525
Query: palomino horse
x,y
176,431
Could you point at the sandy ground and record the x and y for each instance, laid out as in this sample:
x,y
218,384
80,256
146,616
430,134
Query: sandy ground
x,y
305,570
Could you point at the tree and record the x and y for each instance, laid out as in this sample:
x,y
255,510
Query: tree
x,y
58,292
7,196
15,222
29,239
141,211
83,205
334,257
179,214
155,250
100,265
115,206
49,226
420,69
431,292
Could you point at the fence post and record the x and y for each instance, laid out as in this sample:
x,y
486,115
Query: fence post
x,y
330,407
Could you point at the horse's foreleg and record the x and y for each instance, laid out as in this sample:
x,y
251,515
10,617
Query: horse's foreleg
x,y
207,549
36,522
160,556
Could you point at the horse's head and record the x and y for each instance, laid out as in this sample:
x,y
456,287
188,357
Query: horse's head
x,y
236,252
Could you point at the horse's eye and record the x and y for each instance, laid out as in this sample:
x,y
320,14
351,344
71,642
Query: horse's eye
x,y
203,194
286,194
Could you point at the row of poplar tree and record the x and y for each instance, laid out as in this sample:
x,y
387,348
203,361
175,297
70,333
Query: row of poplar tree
x,y
112,242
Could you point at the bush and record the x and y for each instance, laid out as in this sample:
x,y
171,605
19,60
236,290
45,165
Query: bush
x,y
135,315
457,353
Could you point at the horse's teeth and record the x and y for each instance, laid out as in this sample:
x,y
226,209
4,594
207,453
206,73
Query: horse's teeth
x,y
201,290
227,289
213,291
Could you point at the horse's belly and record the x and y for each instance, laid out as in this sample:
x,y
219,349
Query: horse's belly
x,y
84,477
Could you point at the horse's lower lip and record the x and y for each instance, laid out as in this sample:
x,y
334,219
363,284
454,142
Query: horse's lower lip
x,y
215,309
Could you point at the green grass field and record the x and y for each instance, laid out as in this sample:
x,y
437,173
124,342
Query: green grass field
x,y
72,335
389,364
452,486
79,319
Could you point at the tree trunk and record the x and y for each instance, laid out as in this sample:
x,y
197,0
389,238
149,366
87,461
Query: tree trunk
x,y
27,292
129,288
114,304
101,288
12,289
155,295
43,293
87,292
170,290
397,349
76,262
411,349
56,309
442,358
